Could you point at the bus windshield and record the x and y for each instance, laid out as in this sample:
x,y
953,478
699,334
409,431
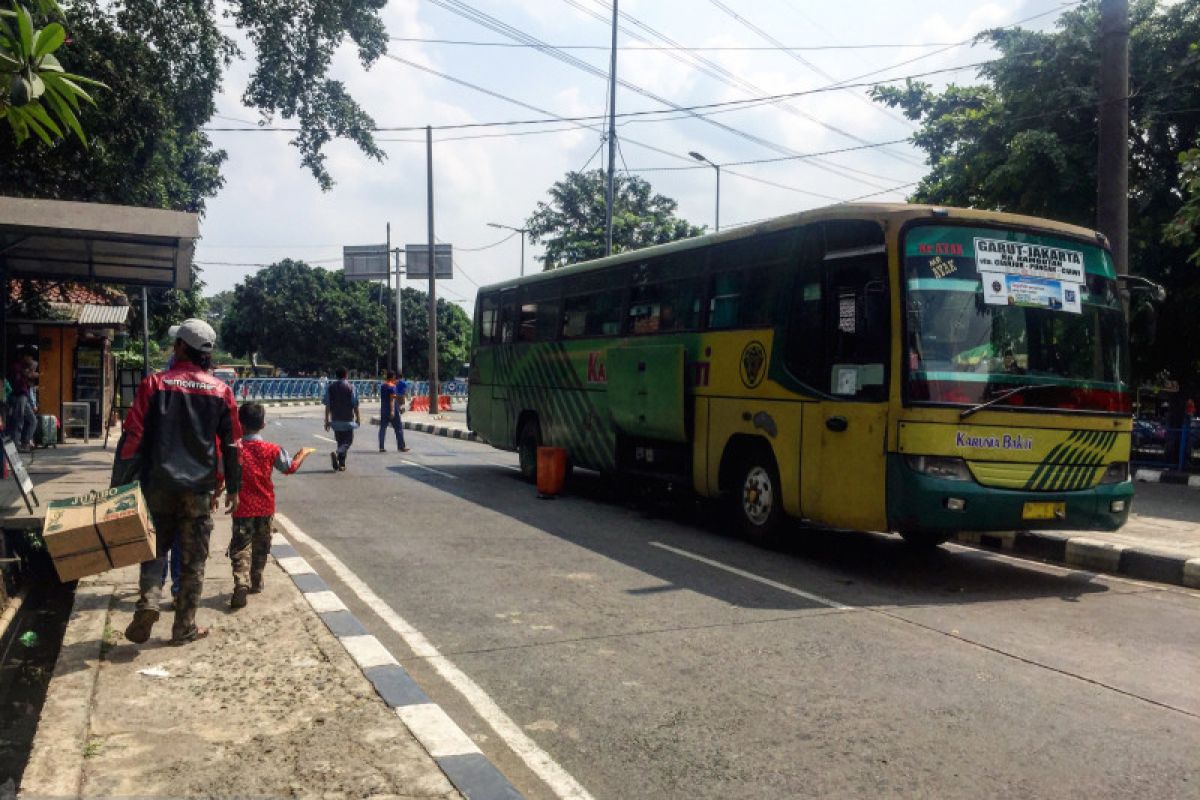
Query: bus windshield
x,y
990,309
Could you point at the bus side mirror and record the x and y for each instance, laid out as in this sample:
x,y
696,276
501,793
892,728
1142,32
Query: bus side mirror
x,y
1143,324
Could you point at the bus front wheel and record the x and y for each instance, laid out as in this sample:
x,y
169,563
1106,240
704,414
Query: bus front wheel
x,y
529,439
756,497
925,540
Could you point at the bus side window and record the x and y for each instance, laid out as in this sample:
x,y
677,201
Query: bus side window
x,y
663,307
488,305
508,316
527,316
747,279
597,314
856,313
806,316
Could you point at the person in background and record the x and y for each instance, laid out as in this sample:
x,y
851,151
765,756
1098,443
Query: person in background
x,y
251,543
170,444
391,401
341,416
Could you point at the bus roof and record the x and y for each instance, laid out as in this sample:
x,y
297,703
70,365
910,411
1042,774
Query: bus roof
x,y
898,212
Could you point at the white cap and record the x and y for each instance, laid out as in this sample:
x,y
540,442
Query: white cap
x,y
197,334
173,332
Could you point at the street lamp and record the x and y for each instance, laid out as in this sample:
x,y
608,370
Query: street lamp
x,y
717,167
521,231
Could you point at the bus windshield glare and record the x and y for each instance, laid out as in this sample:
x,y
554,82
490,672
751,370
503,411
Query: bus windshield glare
x,y
990,309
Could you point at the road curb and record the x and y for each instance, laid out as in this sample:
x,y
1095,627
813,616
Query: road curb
x,y
441,430
1145,475
1092,554
451,748
55,766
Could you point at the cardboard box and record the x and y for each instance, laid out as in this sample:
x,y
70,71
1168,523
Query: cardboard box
x,y
99,531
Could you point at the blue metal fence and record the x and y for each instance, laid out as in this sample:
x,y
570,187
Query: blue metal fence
x,y
314,388
1155,445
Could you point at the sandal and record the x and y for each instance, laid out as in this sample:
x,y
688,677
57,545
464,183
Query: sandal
x,y
195,635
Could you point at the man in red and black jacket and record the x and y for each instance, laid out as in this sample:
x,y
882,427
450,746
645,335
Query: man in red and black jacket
x,y
170,443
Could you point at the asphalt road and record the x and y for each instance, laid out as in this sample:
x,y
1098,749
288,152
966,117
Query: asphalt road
x,y
650,654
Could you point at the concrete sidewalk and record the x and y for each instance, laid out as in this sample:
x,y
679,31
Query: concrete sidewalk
x,y
270,704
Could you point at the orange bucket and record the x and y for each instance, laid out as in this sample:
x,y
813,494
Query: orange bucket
x,y
551,470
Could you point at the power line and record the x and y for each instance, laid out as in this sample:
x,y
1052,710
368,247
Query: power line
x,y
475,15
486,246
656,48
720,73
748,102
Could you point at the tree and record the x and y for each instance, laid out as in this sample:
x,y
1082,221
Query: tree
x,y
36,95
305,319
454,334
572,224
1025,141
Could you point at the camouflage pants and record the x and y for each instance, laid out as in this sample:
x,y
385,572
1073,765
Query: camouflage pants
x,y
182,518
249,548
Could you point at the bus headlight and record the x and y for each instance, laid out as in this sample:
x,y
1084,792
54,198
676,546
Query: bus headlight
x,y
945,467
1117,472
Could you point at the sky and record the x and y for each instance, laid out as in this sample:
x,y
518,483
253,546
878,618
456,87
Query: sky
x,y
271,208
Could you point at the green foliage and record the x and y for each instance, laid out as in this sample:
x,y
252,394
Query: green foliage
x,y
37,96
571,224
1184,229
453,335
305,319
1025,141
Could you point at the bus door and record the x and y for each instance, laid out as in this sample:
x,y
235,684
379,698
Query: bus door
x,y
503,421
838,346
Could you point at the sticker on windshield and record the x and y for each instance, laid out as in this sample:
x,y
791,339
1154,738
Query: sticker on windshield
x,y
1028,292
1028,260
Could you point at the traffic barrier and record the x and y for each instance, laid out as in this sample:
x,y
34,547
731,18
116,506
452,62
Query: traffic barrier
x,y
1167,448
551,471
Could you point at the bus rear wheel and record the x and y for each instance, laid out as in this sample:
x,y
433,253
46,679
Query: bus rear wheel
x,y
756,499
925,540
529,439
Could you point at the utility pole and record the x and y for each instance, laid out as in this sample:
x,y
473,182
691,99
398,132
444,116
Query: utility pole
x,y
1112,167
388,247
612,137
433,364
146,333
399,312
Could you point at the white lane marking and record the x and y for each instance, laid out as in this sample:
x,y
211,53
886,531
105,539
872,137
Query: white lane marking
x,y
277,539
538,760
1194,481
429,469
1148,475
436,731
367,651
295,565
323,602
783,587
325,438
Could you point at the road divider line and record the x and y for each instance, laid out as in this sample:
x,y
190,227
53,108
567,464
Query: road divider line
x,y
324,438
560,782
783,587
429,469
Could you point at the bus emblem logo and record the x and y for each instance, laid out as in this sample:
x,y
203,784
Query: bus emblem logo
x,y
754,358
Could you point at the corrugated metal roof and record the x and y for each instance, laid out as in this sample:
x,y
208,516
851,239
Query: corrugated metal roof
x,y
103,315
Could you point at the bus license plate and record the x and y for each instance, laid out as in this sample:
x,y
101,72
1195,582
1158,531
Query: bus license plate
x,y
1044,511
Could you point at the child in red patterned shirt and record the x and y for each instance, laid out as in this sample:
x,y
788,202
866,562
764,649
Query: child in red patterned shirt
x,y
251,541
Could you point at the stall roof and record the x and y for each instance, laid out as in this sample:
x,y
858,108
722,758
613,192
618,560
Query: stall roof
x,y
65,240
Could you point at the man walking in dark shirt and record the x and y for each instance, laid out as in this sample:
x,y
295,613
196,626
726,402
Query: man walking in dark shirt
x,y
341,416
170,443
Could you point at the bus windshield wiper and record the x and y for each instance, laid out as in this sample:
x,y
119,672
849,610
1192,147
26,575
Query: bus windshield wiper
x,y
1004,396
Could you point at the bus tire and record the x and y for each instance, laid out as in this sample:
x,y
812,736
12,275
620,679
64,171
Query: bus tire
x,y
529,439
756,496
925,540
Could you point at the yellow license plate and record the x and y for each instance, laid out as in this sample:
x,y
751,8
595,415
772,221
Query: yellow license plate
x,y
1044,511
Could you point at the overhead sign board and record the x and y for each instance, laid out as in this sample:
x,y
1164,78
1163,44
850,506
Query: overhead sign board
x,y
416,257
367,262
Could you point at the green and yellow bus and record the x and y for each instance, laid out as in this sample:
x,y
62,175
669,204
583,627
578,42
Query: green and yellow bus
x,y
880,367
